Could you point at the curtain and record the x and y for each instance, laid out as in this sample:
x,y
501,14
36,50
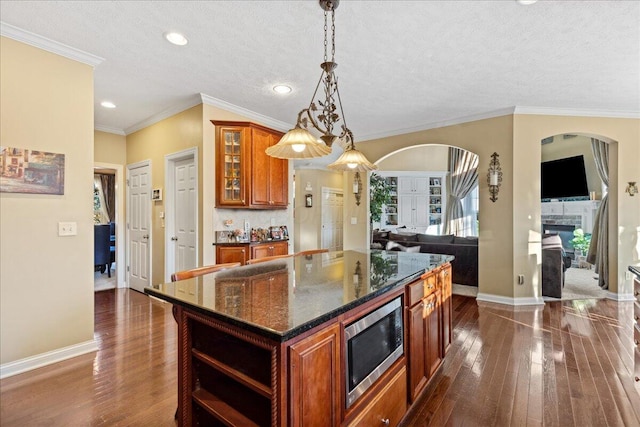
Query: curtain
x,y
102,216
599,247
109,191
463,177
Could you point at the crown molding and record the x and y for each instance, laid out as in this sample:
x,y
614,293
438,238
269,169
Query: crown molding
x,y
435,125
172,111
109,129
265,120
575,112
24,36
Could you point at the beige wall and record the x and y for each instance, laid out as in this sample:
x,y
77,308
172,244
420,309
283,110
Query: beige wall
x,y
561,148
432,158
481,137
308,221
624,211
109,148
46,281
510,227
174,134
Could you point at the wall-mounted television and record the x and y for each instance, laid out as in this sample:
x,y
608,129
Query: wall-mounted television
x,y
564,178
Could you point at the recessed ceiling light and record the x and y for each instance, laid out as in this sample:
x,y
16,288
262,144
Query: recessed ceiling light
x,y
282,89
526,2
108,104
176,38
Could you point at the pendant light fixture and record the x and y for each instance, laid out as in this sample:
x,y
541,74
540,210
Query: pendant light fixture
x,y
299,143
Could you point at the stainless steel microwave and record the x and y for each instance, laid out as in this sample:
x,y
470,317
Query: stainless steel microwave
x,y
372,344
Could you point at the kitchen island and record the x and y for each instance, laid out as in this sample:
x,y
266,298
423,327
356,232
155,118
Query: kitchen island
x,y
265,344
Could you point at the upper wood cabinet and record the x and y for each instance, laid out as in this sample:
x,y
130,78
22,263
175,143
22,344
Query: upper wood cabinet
x,y
246,177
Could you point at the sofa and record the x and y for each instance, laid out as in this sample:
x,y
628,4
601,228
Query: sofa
x,y
554,263
464,249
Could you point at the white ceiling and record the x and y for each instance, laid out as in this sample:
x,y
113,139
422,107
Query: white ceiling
x,y
403,65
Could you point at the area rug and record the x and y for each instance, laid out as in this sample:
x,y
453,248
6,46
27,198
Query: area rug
x,y
581,283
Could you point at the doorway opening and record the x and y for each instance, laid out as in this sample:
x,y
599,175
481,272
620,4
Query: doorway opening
x,y
109,198
570,203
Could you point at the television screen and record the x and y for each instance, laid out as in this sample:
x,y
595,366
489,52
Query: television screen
x,y
564,178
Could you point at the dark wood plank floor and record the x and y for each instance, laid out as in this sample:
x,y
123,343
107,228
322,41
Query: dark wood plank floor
x,y
566,364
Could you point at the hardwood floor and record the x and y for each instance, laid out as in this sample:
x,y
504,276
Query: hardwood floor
x,y
568,363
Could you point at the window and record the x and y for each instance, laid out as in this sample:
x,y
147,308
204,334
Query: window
x,y
470,206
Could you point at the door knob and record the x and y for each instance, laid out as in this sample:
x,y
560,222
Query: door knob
x,y
174,238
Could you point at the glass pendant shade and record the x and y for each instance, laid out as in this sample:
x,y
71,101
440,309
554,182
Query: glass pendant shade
x,y
298,143
352,160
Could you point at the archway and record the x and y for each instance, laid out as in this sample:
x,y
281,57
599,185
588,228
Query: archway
x,y
571,193
422,183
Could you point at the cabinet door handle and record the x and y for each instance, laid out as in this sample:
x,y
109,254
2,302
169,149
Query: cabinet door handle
x,y
174,238
385,421
637,379
242,251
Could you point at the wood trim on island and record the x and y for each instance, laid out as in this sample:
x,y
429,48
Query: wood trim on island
x,y
230,376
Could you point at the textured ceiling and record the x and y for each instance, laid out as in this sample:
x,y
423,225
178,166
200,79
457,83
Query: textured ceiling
x,y
403,65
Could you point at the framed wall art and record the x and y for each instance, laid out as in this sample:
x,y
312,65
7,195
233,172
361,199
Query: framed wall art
x,y
31,171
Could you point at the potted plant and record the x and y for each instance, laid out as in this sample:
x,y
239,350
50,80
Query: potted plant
x,y
580,242
379,195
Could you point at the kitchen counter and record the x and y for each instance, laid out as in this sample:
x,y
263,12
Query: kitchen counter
x,y
310,291
248,242
635,270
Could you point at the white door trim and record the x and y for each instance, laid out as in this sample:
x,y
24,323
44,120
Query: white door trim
x,y
169,184
128,237
120,228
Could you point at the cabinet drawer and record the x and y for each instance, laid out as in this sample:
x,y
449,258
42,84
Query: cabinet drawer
x,y
389,406
636,375
636,285
430,282
636,337
415,293
636,313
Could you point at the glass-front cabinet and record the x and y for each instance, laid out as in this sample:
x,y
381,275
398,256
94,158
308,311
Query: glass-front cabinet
x,y
246,177
232,166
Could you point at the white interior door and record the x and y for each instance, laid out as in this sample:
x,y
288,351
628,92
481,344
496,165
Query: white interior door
x,y
332,219
184,239
138,225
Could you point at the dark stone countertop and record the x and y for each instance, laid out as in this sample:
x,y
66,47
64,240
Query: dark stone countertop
x,y
635,270
283,298
248,242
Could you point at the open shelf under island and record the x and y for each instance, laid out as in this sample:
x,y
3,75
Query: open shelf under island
x,y
331,339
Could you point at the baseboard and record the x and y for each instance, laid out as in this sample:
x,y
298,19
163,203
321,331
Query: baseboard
x,y
44,359
509,301
620,297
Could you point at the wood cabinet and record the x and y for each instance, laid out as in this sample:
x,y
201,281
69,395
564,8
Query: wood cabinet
x,y
389,406
314,364
269,249
226,377
242,252
425,328
445,285
236,253
246,177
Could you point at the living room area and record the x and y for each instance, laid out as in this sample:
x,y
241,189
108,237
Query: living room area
x,y
418,182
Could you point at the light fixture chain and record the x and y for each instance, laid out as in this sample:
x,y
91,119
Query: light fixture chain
x,y
333,35
325,36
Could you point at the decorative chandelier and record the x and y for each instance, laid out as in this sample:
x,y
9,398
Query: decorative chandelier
x,y
299,143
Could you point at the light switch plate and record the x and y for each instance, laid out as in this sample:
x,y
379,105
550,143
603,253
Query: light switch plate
x,y
66,229
354,220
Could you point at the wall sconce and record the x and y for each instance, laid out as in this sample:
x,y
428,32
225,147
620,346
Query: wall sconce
x,y
357,187
632,188
494,177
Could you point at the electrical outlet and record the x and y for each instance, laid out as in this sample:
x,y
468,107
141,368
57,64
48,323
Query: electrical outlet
x,y
354,220
628,275
67,229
